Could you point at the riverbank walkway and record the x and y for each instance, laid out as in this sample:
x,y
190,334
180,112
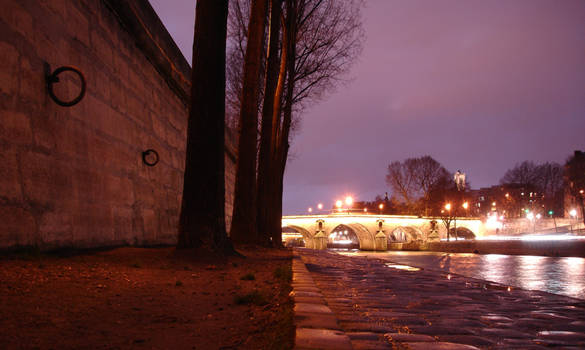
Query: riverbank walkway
x,y
346,302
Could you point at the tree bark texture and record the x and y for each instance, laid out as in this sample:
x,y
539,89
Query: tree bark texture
x,y
202,217
265,210
244,227
282,145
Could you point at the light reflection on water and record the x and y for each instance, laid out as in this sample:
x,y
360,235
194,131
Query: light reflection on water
x,y
557,275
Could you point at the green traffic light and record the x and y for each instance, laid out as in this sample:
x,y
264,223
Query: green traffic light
x,y
550,212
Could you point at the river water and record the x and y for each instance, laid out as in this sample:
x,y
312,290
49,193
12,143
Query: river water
x,y
558,275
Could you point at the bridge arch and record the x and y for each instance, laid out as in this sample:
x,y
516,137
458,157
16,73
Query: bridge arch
x,y
307,236
405,234
365,237
462,232
342,236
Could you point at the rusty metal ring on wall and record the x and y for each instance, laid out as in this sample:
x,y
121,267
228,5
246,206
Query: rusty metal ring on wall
x,y
53,78
146,154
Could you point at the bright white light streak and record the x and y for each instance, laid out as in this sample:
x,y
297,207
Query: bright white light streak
x,y
402,267
531,238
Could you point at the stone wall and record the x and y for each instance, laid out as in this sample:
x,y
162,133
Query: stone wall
x,y
74,176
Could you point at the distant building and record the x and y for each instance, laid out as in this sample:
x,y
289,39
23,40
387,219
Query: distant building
x,y
574,194
508,200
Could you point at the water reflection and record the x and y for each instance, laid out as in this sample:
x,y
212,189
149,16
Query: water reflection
x,y
557,275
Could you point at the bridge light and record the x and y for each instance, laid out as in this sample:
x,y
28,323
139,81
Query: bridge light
x,y
338,204
538,216
365,210
320,206
381,206
465,205
493,204
448,206
348,200
310,210
550,212
573,213
530,216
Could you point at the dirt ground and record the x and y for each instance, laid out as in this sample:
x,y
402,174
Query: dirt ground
x,y
146,298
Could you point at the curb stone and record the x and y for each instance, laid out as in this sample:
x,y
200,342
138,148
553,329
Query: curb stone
x,y
316,325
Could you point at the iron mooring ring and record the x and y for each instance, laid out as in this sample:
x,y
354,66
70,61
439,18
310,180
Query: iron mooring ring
x,y
54,78
146,154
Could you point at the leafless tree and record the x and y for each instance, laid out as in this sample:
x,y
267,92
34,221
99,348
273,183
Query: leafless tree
x,y
244,227
202,217
545,179
320,41
524,173
415,178
270,117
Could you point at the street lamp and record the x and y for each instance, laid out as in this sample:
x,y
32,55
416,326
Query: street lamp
x,y
448,208
348,202
381,206
320,206
310,210
338,204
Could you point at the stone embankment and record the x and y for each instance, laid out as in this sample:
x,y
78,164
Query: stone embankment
x,y
359,303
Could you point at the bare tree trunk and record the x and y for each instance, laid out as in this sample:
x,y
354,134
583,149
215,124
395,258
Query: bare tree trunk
x,y
283,141
275,192
202,217
265,210
244,227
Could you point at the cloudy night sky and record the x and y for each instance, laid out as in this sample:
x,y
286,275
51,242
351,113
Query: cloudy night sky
x,y
478,85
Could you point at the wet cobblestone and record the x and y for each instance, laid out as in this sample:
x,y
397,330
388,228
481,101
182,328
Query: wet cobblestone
x,y
379,306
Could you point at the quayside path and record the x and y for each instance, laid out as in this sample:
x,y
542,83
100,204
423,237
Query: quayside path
x,y
344,302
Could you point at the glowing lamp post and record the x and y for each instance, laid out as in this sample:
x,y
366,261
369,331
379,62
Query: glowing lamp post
x,y
381,206
348,203
338,204
448,208
310,210
320,206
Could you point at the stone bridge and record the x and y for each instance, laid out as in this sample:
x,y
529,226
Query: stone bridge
x,y
374,232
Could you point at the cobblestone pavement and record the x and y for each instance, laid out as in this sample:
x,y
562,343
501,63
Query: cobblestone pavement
x,y
363,303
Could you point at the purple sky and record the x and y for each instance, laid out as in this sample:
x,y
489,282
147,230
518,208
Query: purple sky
x,y
478,85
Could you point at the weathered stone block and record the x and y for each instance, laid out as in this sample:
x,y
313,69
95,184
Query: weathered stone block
x,y
9,57
151,229
10,186
15,127
17,227
45,180
18,18
78,24
55,228
122,217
